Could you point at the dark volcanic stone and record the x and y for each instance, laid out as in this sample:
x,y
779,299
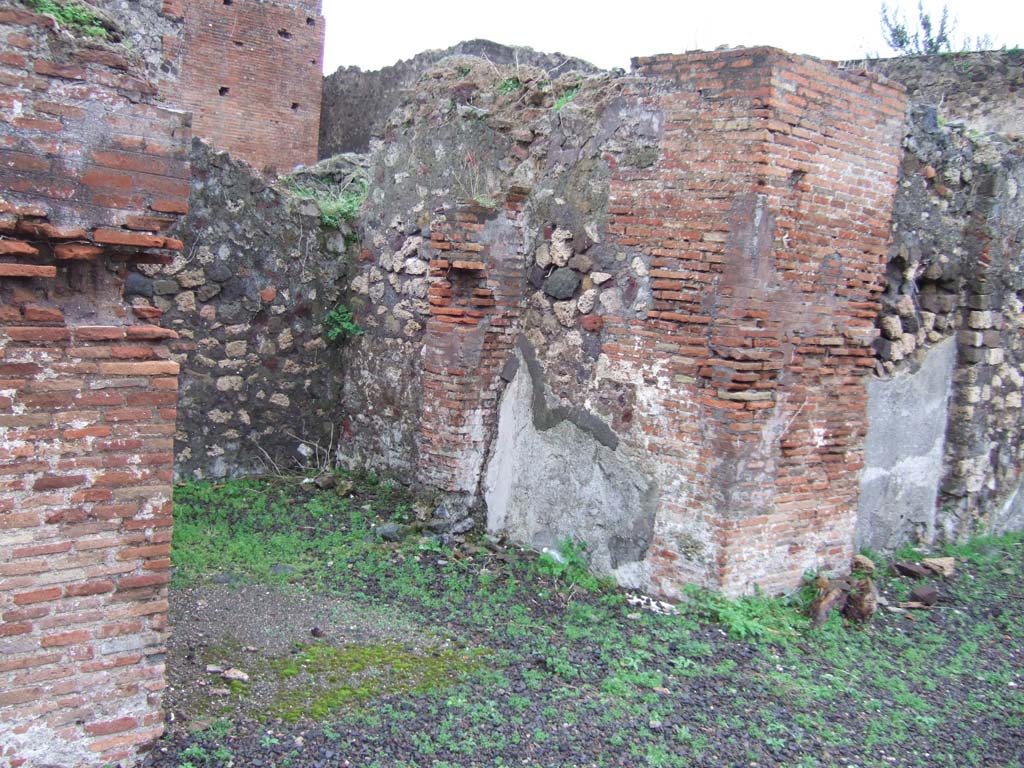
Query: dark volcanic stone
x,y
913,570
390,531
165,287
562,283
925,594
219,271
137,285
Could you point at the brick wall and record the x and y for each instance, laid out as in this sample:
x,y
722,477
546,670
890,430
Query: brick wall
x,y
767,222
692,274
91,173
251,74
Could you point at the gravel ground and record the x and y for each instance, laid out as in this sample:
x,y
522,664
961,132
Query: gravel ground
x,y
565,677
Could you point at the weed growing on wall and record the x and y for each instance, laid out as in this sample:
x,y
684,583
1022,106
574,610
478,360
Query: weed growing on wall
x,y
473,182
338,206
567,96
340,324
509,85
78,18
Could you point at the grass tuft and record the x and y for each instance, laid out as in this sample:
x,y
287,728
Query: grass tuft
x,y
75,16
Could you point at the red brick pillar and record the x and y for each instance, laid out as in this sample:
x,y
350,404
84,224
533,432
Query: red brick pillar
x,y
766,221
252,77
87,423
92,173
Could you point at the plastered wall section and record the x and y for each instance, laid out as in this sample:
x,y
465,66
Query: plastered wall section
x,y
767,220
91,174
251,74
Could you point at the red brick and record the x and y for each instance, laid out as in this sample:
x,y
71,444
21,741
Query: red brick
x,y
19,695
38,314
150,368
147,313
152,398
26,270
87,588
51,231
74,637
150,332
17,248
41,549
121,237
37,124
78,434
77,252
64,71
37,333
138,582
170,205
37,596
10,629
58,481
105,728
99,333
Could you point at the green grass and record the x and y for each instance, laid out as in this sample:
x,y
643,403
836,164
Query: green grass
x,y
332,678
564,647
276,531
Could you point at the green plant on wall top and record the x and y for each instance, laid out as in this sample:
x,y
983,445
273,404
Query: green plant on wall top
x,y
509,85
76,17
567,96
338,207
340,324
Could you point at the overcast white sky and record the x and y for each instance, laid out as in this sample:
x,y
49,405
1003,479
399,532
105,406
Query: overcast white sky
x,y
373,34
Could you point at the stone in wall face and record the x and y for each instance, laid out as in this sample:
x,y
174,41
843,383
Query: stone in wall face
x,y
562,283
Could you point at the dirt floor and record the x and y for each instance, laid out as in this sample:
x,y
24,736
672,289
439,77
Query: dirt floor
x,y
417,655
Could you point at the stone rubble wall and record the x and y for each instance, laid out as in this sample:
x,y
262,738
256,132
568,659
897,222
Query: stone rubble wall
x,y
983,90
710,328
356,104
93,172
247,296
954,272
151,29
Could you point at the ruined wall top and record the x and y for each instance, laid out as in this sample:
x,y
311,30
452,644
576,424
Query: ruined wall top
x,y
356,104
985,90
